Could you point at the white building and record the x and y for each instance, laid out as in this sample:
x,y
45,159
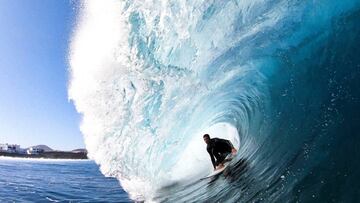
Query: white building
x,y
34,150
13,148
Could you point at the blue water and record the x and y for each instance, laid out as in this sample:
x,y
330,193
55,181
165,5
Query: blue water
x,y
24,180
279,78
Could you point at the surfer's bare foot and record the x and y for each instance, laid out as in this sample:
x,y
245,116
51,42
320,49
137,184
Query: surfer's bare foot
x,y
220,166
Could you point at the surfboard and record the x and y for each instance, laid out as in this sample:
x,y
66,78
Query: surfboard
x,y
219,171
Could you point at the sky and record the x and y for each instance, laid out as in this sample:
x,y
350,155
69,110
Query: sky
x,y
34,105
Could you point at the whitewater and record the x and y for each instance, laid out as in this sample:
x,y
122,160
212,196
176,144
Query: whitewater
x,y
278,78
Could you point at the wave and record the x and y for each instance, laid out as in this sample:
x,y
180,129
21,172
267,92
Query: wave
x,y
277,78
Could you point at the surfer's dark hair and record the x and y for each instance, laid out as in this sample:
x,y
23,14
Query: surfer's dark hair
x,y
207,135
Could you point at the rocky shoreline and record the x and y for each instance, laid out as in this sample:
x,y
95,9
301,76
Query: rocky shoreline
x,y
49,155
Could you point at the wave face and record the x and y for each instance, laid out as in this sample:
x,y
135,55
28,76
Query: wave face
x,y
278,78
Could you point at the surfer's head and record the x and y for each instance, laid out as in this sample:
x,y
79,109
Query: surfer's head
x,y
206,138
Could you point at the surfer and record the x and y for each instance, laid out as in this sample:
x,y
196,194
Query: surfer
x,y
219,149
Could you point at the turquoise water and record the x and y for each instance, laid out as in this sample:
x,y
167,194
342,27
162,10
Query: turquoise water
x,y
24,180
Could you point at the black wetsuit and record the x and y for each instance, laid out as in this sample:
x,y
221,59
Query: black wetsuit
x,y
219,148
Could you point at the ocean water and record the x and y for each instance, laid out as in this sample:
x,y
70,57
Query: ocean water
x,y
279,78
27,180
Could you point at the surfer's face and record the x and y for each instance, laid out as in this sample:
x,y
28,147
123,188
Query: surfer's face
x,y
207,140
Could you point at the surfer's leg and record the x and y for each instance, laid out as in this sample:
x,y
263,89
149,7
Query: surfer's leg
x,y
219,166
220,160
223,159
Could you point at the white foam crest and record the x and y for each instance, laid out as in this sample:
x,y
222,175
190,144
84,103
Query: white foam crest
x,y
99,57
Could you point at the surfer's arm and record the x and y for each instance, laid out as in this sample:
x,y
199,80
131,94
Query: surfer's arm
x,y
233,150
212,158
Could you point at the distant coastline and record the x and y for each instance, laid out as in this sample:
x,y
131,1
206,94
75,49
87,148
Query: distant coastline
x,y
40,151
48,155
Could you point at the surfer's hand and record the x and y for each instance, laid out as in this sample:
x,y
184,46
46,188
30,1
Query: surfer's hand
x,y
233,151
